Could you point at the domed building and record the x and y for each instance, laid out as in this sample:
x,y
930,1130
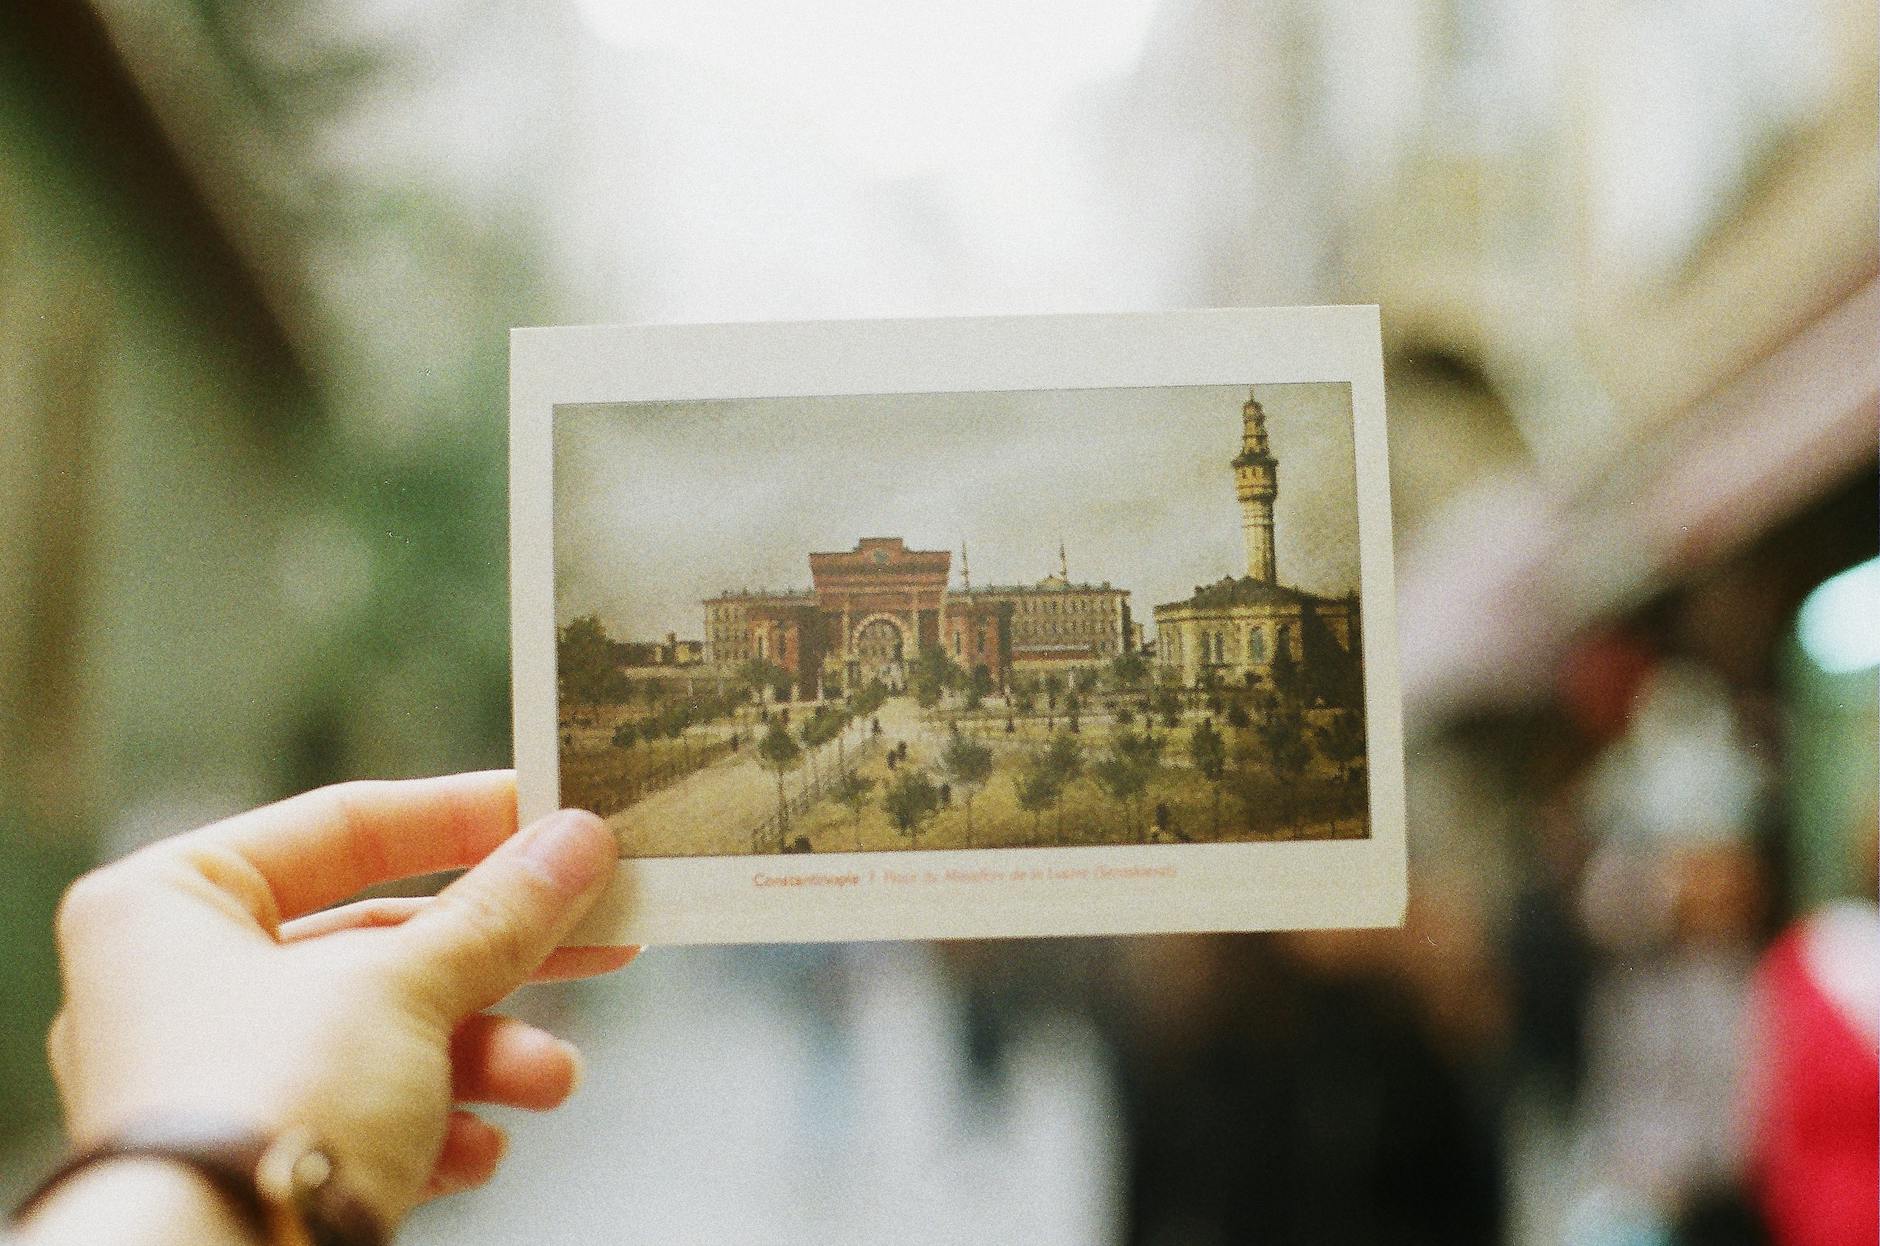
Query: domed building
x,y
1231,631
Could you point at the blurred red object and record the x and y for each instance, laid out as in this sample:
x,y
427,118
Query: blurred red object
x,y
1815,1143
1599,680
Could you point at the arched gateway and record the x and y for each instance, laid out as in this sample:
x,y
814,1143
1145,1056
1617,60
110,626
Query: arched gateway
x,y
879,650
869,613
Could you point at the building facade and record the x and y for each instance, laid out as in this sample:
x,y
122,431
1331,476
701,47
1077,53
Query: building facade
x,y
1230,632
1058,622
872,609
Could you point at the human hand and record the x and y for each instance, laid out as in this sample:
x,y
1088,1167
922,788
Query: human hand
x,y
202,981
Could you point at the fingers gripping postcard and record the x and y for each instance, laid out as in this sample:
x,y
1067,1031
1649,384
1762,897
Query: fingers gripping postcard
x,y
963,628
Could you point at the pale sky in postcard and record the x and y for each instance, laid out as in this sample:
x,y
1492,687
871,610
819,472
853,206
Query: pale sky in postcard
x,y
660,505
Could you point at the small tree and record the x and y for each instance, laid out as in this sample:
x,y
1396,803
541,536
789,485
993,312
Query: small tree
x,y
1342,741
1120,781
778,752
979,686
1289,679
1038,789
626,736
853,790
1064,757
1282,733
586,672
1128,670
969,764
1237,717
758,674
911,799
1208,750
1168,703
1125,770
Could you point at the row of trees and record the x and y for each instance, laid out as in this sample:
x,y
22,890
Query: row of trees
x,y
1268,763
912,796
1123,770
780,752
671,722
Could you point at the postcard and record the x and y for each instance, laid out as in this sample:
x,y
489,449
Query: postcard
x,y
963,628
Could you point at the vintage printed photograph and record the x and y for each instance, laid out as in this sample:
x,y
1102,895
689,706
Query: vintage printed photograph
x,y
925,621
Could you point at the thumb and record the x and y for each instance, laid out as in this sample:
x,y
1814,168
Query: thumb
x,y
483,935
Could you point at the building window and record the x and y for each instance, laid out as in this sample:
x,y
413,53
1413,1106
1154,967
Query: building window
x,y
1256,645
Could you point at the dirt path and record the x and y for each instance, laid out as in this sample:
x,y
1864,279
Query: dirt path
x,y
711,811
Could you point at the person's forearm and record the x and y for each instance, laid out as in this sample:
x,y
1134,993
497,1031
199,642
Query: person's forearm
x,y
133,1202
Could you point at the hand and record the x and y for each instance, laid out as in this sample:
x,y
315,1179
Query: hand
x,y
197,984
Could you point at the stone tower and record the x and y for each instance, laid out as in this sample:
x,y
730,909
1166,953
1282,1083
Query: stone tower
x,y
1256,482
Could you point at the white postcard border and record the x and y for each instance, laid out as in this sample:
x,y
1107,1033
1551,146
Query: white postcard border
x,y
971,893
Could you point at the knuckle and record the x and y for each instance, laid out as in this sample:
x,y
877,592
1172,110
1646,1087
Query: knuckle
x,y
230,875
495,938
90,903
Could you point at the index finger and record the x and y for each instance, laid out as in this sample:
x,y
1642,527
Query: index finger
x,y
322,846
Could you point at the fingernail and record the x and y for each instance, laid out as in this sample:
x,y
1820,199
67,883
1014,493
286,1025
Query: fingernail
x,y
572,848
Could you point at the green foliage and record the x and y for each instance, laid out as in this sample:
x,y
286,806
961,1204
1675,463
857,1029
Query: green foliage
x,y
910,800
852,791
932,675
1047,772
758,674
1119,780
967,762
1125,716
1128,670
1208,750
778,750
1237,717
1289,683
871,698
585,670
1168,703
1342,740
626,736
1065,756
824,725
1038,789
1125,770
1084,680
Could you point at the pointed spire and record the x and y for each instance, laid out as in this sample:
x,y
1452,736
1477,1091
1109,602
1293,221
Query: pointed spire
x,y
1253,430
1064,566
966,570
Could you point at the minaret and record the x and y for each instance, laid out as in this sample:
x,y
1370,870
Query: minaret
x,y
1256,482
966,571
1064,566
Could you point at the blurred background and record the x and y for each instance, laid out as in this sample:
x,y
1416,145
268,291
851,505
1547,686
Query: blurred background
x,y
257,264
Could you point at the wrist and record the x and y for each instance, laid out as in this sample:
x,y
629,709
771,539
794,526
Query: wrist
x,y
282,1189
138,1200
